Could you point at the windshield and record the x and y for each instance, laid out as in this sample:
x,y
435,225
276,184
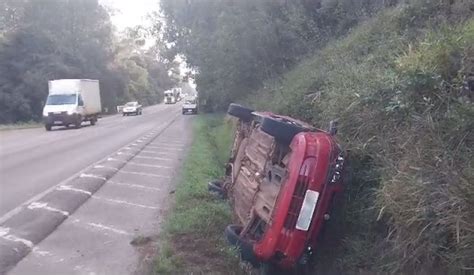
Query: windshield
x,y
61,99
130,104
190,102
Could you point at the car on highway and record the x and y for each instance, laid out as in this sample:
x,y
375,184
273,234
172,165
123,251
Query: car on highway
x,y
282,181
190,106
132,108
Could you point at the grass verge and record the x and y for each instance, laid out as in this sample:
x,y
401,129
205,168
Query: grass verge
x,y
193,241
21,125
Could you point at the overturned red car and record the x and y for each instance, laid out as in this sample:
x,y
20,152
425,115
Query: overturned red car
x,y
282,180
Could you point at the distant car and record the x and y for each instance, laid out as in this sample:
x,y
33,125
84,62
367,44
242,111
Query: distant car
x,y
190,106
132,108
284,178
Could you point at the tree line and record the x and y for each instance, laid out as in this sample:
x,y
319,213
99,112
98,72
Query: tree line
x,y
54,39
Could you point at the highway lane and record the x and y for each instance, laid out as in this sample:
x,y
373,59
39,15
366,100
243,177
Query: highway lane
x,y
33,160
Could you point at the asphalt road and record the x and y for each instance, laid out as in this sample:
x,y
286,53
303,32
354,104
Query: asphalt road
x,y
33,160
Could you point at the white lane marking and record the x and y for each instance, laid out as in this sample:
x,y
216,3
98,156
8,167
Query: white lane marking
x,y
10,237
160,130
156,158
44,205
149,165
157,152
84,175
102,227
169,142
127,148
134,144
114,159
164,148
106,167
145,174
125,202
166,154
70,188
161,145
122,153
132,185
40,252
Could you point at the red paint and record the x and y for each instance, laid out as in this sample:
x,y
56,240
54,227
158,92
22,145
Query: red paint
x,y
310,167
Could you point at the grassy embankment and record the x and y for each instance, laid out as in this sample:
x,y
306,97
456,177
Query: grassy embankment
x,y
194,242
397,84
22,125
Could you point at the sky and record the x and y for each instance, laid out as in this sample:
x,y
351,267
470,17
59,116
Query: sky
x,y
129,13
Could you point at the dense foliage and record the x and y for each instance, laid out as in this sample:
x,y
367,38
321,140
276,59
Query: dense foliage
x,y
236,45
400,79
53,39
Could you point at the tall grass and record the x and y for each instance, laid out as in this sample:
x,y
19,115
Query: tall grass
x,y
397,84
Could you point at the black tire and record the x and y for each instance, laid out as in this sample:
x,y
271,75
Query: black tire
x,y
232,234
217,187
48,127
78,123
123,114
241,112
93,121
283,130
268,269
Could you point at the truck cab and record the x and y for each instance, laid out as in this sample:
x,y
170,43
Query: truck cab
x,y
169,97
70,102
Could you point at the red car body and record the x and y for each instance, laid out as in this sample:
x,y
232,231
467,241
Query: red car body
x,y
284,178
312,154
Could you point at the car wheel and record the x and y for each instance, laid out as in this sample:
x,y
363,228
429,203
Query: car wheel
x,y
269,269
48,127
282,129
241,112
217,187
232,234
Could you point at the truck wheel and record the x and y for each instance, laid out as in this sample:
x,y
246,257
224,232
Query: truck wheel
x,y
93,121
282,129
241,112
232,234
78,123
48,127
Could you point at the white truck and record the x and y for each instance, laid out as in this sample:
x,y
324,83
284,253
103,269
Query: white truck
x,y
172,96
72,101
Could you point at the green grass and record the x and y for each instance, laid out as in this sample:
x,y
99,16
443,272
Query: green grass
x,y
193,240
20,125
395,83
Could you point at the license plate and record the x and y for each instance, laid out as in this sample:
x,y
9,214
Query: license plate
x,y
58,122
307,210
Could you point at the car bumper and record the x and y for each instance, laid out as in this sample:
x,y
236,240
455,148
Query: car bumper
x,y
189,110
60,119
